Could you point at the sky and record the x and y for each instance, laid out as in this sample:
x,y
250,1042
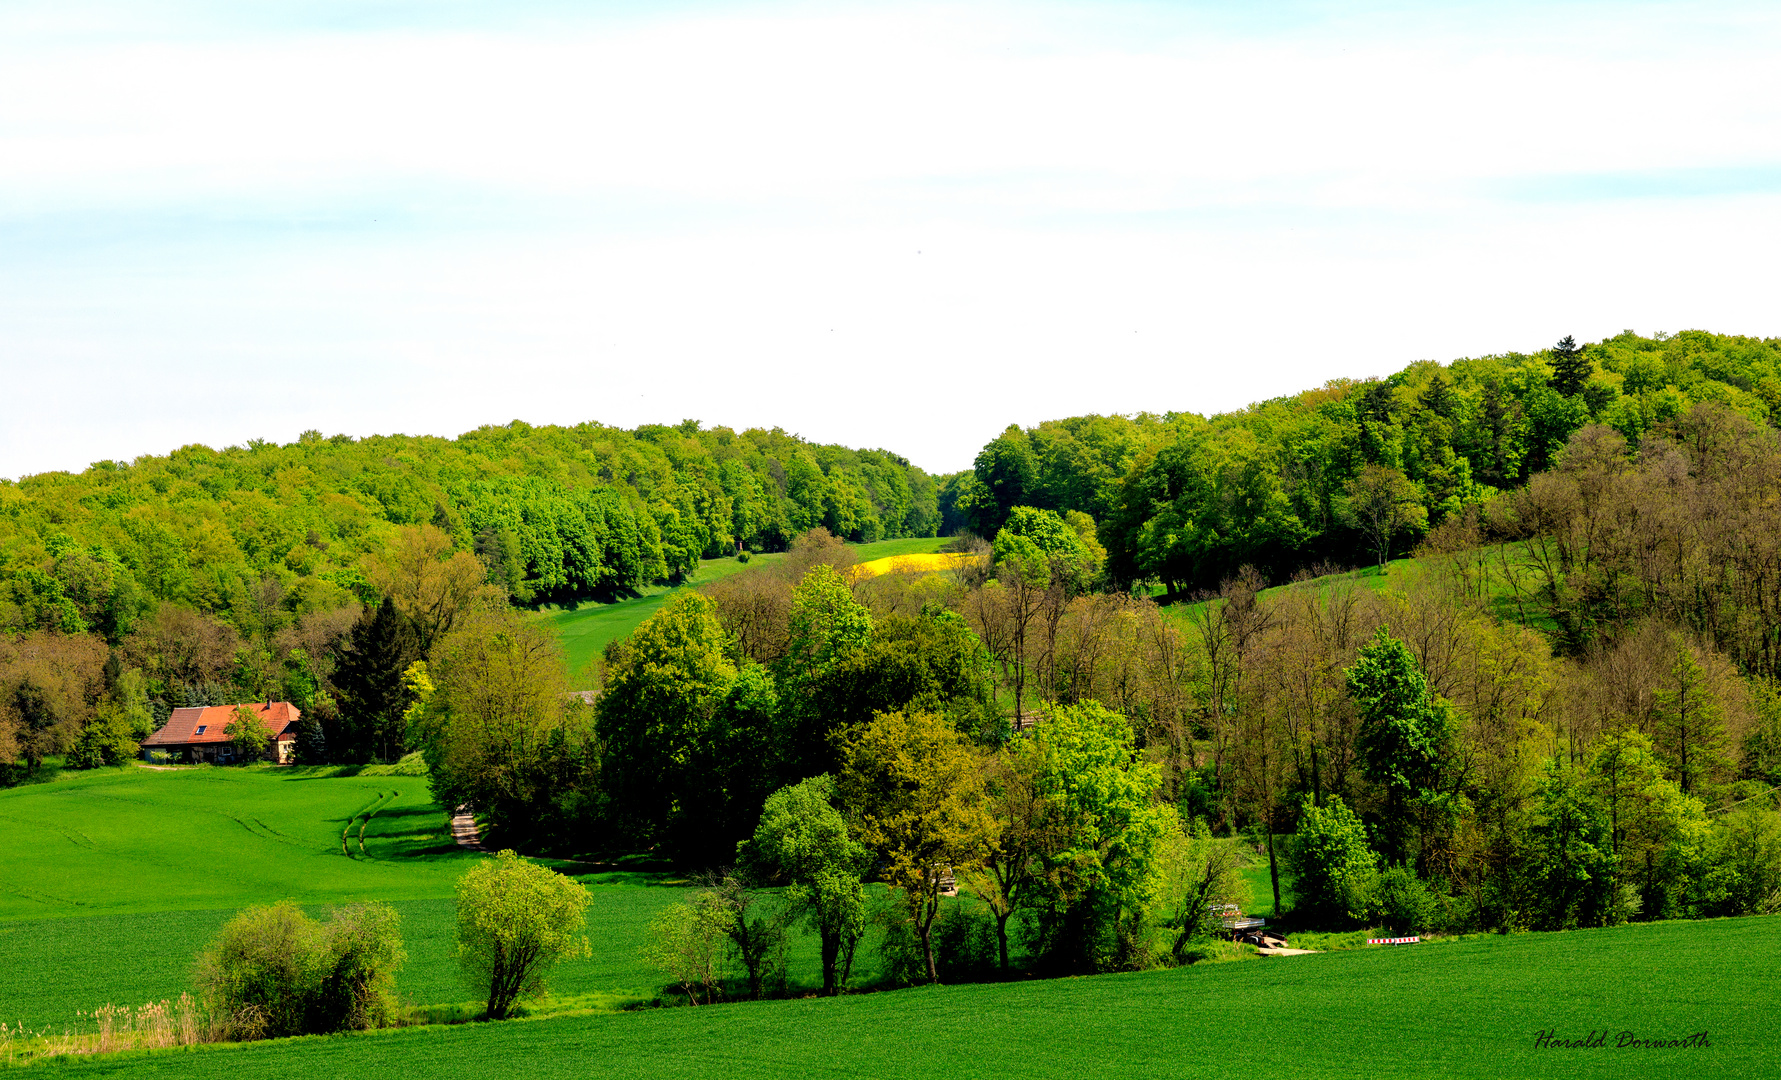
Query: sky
x,y
884,225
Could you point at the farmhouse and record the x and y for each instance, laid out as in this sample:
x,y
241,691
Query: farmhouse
x,y
202,734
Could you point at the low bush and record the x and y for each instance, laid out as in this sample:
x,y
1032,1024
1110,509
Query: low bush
x,y
1215,951
1403,903
964,935
687,942
274,971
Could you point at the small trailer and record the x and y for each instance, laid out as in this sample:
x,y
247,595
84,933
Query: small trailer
x,y
1245,929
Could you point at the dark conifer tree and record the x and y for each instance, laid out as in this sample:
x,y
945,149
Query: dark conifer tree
x,y
369,680
1571,367
1438,397
312,741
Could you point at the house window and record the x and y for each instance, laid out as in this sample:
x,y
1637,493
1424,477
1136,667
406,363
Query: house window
x,y
201,728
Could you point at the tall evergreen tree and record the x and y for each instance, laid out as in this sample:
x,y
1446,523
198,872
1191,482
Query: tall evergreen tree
x,y
312,741
369,679
1571,367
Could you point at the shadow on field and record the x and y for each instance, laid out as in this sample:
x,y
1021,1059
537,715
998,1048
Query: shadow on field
x,y
400,829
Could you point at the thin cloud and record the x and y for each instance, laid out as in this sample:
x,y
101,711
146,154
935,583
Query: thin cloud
x,y
903,226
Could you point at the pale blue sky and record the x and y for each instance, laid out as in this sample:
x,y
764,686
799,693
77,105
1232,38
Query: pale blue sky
x,y
879,224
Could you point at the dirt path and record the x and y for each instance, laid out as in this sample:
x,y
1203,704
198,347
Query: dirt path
x,y
464,831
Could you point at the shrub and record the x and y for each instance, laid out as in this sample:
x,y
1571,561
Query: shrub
x,y
964,938
274,971
965,941
1403,903
105,740
364,951
685,942
1746,852
757,923
742,556
515,921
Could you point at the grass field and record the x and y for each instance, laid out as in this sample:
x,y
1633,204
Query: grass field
x,y
586,628
56,968
113,880
1406,575
117,840
1472,1008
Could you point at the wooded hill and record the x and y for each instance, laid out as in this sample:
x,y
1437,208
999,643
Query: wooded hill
x,y
1186,500
553,513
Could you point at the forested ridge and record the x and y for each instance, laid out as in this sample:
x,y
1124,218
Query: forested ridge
x,y
553,513
1335,474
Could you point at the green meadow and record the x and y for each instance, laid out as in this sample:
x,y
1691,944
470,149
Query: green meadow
x,y
1406,575
584,629
1471,1008
114,879
135,839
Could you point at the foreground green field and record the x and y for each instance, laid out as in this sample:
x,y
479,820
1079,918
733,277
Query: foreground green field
x,y
586,628
1472,1008
113,881
58,968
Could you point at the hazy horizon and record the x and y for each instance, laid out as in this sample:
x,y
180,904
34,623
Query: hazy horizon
x,y
903,226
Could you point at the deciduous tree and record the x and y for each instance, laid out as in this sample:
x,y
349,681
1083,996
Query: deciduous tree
x,y
663,721
803,840
517,920
431,584
1104,824
1382,504
248,734
914,787
685,942
1405,742
498,728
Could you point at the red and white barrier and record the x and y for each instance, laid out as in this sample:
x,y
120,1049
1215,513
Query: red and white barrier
x,y
1393,940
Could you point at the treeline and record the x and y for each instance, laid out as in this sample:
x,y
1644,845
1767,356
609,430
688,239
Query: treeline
x,y
208,577
554,513
1347,472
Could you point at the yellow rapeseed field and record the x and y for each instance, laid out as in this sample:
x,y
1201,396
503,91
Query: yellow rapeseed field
x,y
912,564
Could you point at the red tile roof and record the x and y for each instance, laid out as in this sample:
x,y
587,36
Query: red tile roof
x,y
181,729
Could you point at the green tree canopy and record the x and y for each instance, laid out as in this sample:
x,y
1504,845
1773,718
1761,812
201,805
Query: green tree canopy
x,y
1102,830
803,840
662,718
1333,865
1405,740
516,920
914,788
498,729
